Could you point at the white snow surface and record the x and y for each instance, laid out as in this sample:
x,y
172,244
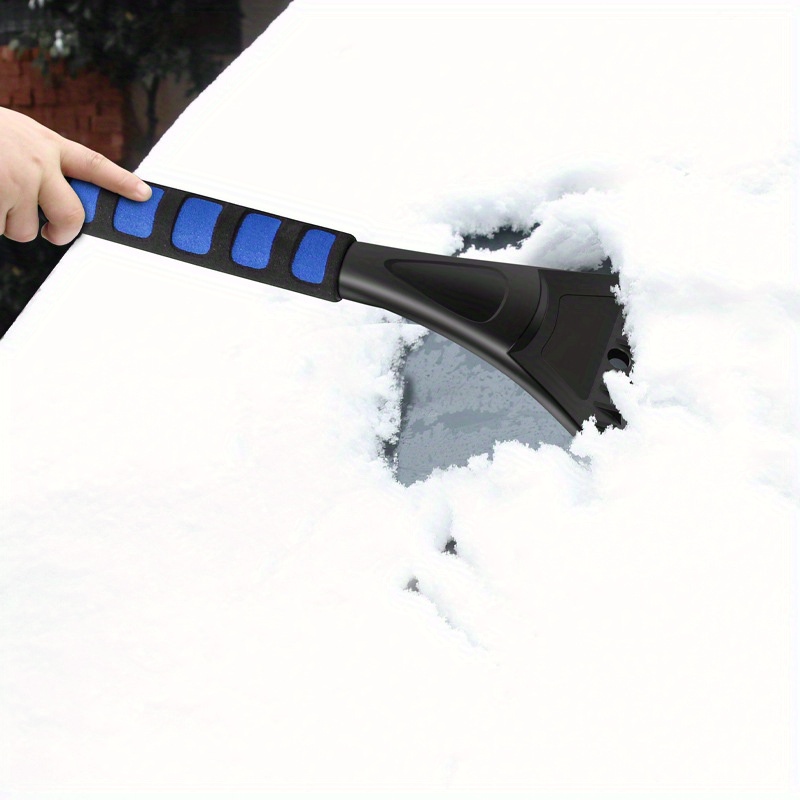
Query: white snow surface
x,y
203,553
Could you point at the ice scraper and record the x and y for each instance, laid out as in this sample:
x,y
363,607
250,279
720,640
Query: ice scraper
x,y
555,332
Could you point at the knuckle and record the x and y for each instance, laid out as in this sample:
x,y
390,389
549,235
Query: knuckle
x,y
73,217
65,226
22,224
38,160
95,159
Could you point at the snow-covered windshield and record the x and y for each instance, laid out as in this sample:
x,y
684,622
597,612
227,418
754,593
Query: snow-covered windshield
x,y
212,576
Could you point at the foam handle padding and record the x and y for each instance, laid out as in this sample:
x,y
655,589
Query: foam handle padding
x,y
223,236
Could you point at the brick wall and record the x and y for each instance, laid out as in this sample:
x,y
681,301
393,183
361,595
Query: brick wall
x,y
86,108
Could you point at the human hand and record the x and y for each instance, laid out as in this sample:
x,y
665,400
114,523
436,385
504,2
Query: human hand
x,y
33,164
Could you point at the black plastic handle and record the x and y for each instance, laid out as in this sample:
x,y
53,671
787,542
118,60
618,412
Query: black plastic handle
x,y
220,235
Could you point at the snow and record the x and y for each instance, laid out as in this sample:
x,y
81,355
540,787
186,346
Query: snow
x,y
204,554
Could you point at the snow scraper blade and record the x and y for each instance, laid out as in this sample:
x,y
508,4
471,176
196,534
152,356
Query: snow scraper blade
x,y
555,332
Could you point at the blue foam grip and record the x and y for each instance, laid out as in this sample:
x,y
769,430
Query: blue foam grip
x,y
244,242
253,244
194,227
87,194
312,256
137,218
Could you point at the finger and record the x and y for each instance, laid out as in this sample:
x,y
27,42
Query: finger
x,y
62,208
22,221
80,162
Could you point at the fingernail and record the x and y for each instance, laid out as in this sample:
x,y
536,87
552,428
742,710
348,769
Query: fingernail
x,y
143,190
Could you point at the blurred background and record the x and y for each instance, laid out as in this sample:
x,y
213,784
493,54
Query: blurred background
x,y
113,75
